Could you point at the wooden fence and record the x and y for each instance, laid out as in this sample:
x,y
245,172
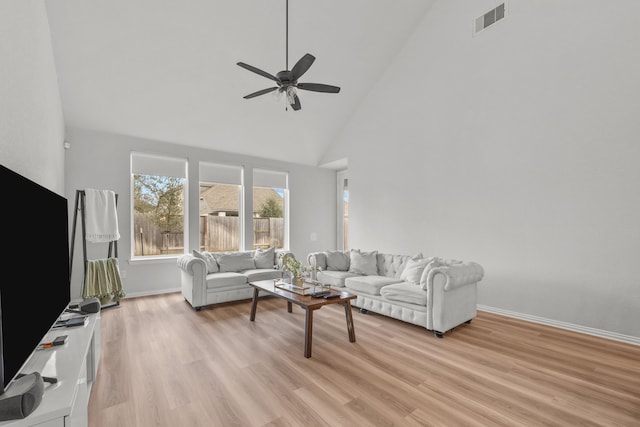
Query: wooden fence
x,y
217,234
151,240
268,232
220,233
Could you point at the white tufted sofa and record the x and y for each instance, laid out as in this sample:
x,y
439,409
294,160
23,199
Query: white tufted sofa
x,y
439,297
212,278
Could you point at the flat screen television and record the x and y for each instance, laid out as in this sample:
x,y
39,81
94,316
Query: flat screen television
x,y
35,284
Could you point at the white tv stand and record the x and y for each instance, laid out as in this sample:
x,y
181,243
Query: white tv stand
x,y
75,366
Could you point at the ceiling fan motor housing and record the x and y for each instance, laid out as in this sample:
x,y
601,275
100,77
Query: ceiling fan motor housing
x,y
285,78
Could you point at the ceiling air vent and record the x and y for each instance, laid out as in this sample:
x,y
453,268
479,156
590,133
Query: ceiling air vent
x,y
489,18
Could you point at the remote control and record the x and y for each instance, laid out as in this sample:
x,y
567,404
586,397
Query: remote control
x,y
59,340
331,296
321,294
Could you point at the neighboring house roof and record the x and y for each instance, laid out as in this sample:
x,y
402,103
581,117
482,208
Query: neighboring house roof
x,y
224,198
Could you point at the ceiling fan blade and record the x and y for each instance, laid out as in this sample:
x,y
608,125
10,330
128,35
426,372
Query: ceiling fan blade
x,y
317,87
302,66
260,92
296,103
258,71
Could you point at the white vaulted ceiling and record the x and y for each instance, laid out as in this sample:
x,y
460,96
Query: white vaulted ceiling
x,y
166,69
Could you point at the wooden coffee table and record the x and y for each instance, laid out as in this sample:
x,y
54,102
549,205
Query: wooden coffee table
x,y
308,303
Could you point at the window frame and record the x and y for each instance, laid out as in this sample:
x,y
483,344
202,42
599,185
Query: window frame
x,y
272,178
224,174
152,164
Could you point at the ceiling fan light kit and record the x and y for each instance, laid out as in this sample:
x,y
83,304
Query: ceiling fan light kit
x,y
287,80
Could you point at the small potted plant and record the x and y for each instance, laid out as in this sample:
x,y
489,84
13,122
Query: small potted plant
x,y
294,267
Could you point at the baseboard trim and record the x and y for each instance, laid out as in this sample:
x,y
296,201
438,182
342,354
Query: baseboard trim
x,y
563,325
146,294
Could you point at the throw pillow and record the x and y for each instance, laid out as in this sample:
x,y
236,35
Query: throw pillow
x,y
209,260
363,262
414,269
402,266
337,261
265,258
236,261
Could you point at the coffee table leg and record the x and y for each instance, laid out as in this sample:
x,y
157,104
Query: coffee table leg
x,y
350,327
289,307
254,304
308,328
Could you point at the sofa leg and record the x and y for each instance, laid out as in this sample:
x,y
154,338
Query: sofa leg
x,y
438,334
468,321
363,310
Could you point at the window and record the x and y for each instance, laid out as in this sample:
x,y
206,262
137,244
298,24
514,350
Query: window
x,y
270,206
158,201
221,212
343,210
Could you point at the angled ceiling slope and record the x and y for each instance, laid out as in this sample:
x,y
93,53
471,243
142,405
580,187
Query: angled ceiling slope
x,y
167,70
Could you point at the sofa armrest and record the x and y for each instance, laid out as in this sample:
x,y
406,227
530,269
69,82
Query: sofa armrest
x,y
455,274
193,279
317,260
187,262
451,294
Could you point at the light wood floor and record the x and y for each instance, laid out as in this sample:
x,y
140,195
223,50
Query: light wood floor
x,y
164,364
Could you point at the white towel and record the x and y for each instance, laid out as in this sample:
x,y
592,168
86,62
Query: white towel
x,y
101,216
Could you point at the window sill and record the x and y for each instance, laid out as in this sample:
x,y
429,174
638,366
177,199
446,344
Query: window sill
x,y
155,259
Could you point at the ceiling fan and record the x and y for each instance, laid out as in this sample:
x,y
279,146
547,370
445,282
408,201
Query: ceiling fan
x,y
287,80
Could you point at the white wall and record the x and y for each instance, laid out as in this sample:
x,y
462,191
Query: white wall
x,y
518,149
31,121
101,160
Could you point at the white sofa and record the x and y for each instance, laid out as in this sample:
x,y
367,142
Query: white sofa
x,y
431,292
215,277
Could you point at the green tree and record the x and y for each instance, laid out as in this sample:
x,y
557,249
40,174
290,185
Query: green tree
x,y
271,208
162,198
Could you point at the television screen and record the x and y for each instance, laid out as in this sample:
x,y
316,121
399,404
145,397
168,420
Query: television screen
x,y
35,287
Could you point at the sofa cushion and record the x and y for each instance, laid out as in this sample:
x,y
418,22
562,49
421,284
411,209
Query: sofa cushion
x,y
209,260
412,272
265,258
337,261
369,284
262,274
334,278
363,262
405,292
217,280
236,261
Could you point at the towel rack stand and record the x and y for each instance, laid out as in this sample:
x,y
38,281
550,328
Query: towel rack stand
x,y
80,206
